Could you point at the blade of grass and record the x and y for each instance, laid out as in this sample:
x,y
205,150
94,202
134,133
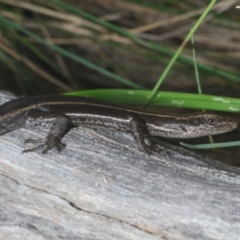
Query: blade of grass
x,y
196,67
169,66
170,99
212,145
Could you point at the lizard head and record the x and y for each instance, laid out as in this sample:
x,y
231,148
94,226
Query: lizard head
x,y
204,124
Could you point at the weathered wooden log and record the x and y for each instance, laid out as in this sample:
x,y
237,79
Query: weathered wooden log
x,y
101,186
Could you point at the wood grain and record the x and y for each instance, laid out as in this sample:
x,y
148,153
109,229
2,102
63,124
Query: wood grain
x,y
102,187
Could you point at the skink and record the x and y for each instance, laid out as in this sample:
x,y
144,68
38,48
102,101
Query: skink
x,y
65,112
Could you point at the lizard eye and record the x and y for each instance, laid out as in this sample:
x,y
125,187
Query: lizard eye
x,y
210,120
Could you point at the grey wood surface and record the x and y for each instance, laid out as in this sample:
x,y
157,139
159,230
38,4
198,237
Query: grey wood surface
x,y
103,187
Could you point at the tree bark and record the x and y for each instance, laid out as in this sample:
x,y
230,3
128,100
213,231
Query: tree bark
x,y
101,186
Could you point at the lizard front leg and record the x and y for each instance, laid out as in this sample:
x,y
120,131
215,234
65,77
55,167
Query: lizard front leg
x,y
60,125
